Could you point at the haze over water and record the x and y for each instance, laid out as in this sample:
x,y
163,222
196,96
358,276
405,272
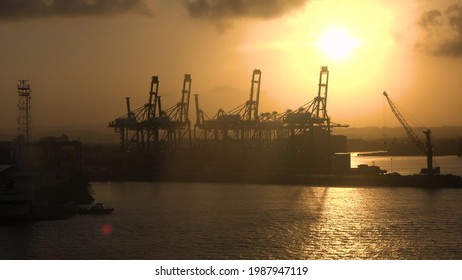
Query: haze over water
x,y
227,221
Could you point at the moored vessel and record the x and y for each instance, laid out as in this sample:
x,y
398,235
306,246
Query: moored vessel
x,y
96,209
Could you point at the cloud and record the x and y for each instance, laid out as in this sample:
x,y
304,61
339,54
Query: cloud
x,y
430,19
29,9
442,32
228,9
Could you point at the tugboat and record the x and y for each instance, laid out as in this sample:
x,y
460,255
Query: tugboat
x,y
96,209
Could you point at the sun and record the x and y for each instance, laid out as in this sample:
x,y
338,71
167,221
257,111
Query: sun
x,y
337,44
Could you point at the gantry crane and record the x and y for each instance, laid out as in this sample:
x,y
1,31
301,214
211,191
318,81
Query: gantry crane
x,y
313,113
150,127
139,127
426,148
251,108
180,127
238,124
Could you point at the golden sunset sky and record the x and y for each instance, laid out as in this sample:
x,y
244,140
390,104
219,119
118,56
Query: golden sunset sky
x,y
83,57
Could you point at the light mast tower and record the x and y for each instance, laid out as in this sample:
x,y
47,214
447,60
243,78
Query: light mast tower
x,y
24,105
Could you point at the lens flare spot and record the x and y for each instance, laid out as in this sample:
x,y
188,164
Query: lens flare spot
x,y
106,229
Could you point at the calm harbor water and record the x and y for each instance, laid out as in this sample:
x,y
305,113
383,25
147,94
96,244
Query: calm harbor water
x,y
227,221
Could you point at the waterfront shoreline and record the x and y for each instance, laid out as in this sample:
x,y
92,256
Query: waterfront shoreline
x,y
385,180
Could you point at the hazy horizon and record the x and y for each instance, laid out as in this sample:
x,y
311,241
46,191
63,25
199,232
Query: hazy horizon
x,y
82,58
101,134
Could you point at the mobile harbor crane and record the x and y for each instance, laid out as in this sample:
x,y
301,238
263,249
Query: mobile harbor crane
x,y
427,148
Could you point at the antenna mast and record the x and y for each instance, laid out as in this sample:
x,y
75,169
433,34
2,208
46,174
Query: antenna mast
x,y
24,105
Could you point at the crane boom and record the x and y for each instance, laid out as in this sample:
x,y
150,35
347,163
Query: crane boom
x,y
410,133
426,149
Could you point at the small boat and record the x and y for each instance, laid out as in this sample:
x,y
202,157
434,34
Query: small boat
x,y
96,209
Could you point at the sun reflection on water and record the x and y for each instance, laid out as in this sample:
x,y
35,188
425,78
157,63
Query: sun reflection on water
x,y
352,225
